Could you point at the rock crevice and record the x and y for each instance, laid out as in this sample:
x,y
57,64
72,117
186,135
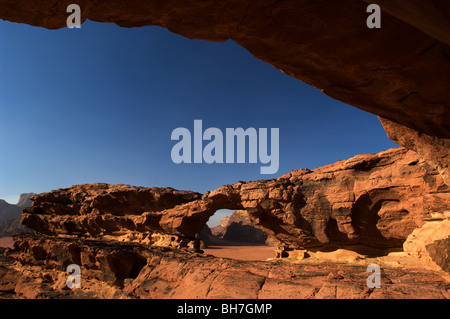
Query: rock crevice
x,y
372,199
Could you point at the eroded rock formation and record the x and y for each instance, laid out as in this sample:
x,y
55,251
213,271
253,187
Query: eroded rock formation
x,y
435,151
400,72
102,210
113,232
238,227
130,270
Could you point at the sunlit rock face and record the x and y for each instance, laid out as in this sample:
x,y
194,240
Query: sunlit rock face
x,y
372,199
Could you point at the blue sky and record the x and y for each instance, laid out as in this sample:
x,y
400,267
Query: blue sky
x,y
98,104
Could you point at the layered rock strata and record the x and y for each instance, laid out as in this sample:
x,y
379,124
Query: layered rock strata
x,y
130,270
106,211
372,199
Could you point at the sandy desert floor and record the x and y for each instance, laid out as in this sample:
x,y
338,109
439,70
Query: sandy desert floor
x,y
235,252
241,252
6,242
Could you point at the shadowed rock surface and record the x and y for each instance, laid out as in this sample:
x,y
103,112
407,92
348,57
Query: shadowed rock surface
x,y
239,228
130,270
8,211
12,226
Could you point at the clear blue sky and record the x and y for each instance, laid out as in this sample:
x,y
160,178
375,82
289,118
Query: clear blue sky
x,y
98,104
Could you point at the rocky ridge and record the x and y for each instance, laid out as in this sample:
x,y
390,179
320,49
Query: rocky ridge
x,y
8,211
238,227
11,215
136,242
372,199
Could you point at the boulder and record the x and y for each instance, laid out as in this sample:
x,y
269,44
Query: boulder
x,y
95,210
431,242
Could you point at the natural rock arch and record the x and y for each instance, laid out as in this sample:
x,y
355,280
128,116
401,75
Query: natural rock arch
x,y
373,199
399,72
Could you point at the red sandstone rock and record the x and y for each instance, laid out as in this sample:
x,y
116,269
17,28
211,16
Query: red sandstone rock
x,y
435,151
372,199
399,73
118,270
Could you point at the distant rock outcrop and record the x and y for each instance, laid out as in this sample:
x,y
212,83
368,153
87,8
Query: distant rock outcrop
x,y
25,200
13,214
9,211
238,227
431,243
13,226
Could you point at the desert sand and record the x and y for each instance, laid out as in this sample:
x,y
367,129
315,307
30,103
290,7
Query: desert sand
x,y
241,252
6,242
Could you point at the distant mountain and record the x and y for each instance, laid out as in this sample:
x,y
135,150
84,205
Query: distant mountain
x,y
9,211
11,215
236,228
25,200
13,226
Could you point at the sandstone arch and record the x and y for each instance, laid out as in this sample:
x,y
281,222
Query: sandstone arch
x,y
372,199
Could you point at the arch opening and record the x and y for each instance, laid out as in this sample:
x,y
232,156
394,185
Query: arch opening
x,y
232,234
